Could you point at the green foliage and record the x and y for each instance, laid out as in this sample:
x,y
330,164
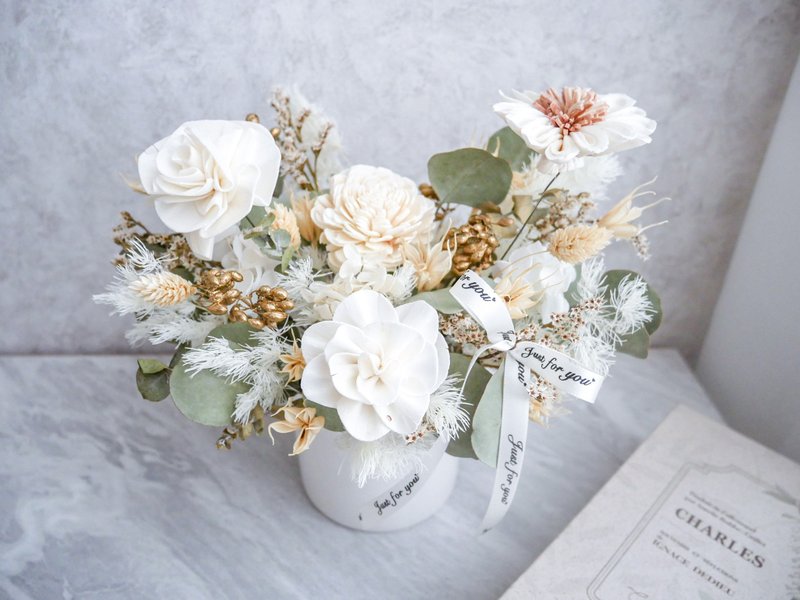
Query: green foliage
x,y
204,397
441,300
469,176
149,366
478,378
511,148
238,333
487,420
636,344
153,386
332,420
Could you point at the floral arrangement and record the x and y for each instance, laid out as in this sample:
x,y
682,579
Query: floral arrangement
x,y
303,295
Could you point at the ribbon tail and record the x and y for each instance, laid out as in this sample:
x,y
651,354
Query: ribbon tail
x,y
513,439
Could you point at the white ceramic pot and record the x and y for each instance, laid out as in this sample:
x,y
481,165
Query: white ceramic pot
x,y
325,471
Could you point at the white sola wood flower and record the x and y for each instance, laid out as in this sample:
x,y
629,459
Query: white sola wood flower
x,y
377,365
374,211
207,176
564,126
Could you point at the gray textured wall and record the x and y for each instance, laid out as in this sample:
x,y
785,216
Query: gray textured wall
x,y
87,85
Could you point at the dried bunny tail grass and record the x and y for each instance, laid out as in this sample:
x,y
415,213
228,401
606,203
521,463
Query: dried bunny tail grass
x,y
577,243
163,289
387,458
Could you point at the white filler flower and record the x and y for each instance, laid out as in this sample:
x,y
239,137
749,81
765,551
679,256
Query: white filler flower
x,y
564,126
377,365
208,175
375,211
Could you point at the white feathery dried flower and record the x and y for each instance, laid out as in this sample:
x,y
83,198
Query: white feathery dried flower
x,y
178,327
632,307
388,458
257,364
446,413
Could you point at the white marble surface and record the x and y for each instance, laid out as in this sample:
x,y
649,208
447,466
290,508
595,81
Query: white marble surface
x,y
103,495
87,85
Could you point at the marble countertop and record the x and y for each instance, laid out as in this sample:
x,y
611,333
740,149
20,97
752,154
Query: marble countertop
x,y
104,495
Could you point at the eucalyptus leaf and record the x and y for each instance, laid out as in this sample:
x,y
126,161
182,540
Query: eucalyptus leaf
x,y
255,216
185,273
238,333
205,398
332,420
153,386
469,176
473,390
281,238
441,300
149,366
487,420
278,186
288,254
636,344
511,148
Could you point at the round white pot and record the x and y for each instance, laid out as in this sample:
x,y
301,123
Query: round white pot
x,y
325,472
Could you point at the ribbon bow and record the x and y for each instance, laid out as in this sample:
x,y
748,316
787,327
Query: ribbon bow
x,y
521,357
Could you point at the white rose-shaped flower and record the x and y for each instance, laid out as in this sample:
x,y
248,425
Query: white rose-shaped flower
x,y
245,256
377,365
375,211
549,277
208,175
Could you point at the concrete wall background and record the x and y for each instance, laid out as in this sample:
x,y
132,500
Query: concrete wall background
x,y
87,85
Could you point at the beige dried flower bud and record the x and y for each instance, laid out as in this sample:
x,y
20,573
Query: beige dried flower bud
x,y
577,243
162,289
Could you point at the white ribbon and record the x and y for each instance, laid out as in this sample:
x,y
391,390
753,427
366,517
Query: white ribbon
x,y
558,369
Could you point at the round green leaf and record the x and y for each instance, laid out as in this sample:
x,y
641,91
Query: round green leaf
x,y
469,176
238,333
511,148
205,398
149,366
487,420
473,390
442,300
153,387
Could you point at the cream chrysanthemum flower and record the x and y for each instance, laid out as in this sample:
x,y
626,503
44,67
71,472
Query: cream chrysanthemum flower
x,y
564,126
286,220
431,263
301,206
517,293
577,243
374,211
162,289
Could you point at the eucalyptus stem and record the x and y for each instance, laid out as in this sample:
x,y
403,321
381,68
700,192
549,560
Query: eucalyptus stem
x,y
530,216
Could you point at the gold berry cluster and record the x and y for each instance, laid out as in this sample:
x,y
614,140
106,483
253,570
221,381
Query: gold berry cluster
x,y
265,307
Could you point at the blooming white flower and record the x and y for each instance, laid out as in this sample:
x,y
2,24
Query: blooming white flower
x,y
244,256
207,176
375,211
547,276
564,126
377,365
